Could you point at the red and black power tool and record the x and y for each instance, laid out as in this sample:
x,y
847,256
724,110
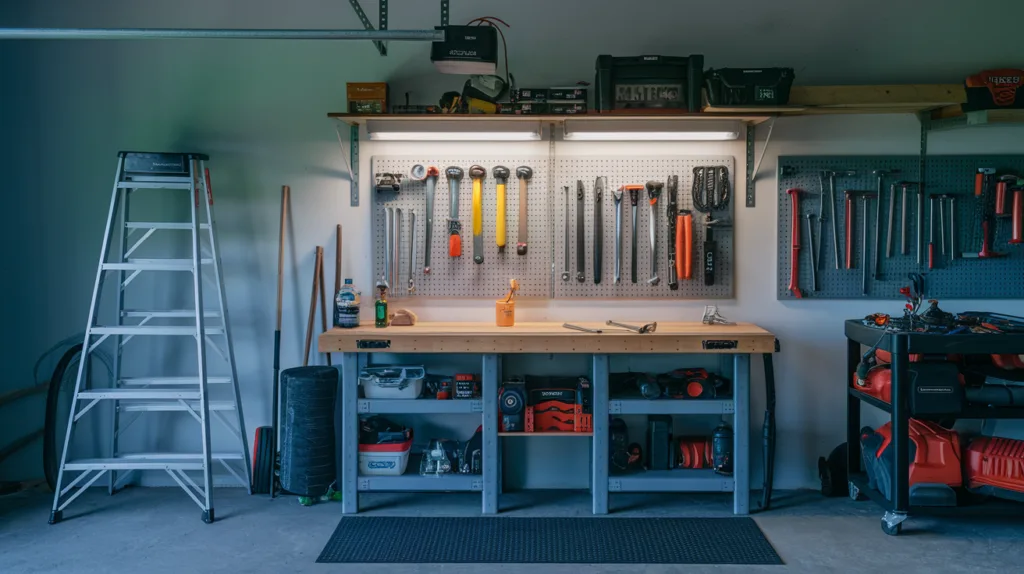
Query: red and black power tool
x,y
693,384
935,469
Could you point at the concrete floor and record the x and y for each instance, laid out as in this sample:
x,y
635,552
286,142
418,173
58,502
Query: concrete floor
x,y
159,530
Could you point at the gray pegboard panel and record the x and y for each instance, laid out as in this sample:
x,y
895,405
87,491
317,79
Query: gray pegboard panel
x,y
461,277
1000,278
621,171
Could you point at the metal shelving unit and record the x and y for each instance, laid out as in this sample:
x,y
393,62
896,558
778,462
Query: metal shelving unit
x,y
679,480
413,480
420,406
670,407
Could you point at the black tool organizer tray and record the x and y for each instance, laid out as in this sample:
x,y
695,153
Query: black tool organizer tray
x,y
1001,278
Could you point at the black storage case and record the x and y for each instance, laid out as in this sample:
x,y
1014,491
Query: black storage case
x,y
649,82
748,86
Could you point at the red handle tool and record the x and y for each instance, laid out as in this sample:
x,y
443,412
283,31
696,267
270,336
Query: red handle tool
x,y
688,248
794,269
1001,198
1017,235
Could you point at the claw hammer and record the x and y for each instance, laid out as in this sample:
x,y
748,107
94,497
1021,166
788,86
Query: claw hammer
x,y
524,174
454,175
501,174
478,173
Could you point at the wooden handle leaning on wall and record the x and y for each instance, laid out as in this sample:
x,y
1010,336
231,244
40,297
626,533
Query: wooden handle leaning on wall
x,y
285,190
317,268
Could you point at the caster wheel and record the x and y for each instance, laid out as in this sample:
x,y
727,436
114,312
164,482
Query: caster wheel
x,y
891,530
855,492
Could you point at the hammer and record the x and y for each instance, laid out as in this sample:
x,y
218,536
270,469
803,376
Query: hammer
x,y
524,174
454,175
477,174
501,174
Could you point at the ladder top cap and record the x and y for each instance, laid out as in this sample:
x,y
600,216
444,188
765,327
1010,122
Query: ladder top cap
x,y
150,154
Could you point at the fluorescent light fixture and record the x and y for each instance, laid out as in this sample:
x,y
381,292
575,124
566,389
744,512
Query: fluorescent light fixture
x,y
453,130
660,129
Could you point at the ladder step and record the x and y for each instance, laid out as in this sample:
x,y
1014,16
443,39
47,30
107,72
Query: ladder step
x,y
162,225
169,314
139,394
148,330
170,407
145,381
154,185
154,265
148,461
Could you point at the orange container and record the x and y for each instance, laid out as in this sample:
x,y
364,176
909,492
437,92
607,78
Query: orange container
x,y
505,313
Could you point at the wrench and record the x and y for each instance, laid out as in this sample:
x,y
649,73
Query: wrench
x,y
388,222
501,174
396,257
412,251
617,194
524,174
832,174
432,174
578,328
599,186
653,192
942,225
920,226
454,175
952,228
892,217
810,241
903,219
634,197
477,174
581,261
565,260
673,190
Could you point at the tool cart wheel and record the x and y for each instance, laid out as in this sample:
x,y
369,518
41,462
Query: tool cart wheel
x,y
855,492
891,530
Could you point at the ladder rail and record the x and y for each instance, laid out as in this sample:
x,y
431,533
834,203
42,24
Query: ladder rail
x,y
218,276
115,414
197,288
93,308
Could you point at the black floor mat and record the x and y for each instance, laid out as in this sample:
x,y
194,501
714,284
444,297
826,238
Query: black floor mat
x,y
585,540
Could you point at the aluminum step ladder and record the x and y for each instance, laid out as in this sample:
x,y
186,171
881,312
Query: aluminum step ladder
x,y
131,397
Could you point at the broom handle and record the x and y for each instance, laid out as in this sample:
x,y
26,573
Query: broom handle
x,y
312,304
323,300
337,263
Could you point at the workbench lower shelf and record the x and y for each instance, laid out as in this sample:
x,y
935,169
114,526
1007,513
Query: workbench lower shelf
x,y
412,480
678,480
420,406
670,407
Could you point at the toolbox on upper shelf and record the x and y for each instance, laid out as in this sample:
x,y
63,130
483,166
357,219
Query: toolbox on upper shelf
x,y
748,86
648,82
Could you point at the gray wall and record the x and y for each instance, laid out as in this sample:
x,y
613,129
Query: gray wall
x,y
258,109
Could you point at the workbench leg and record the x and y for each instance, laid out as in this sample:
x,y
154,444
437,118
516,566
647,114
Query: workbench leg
x,y
853,352
348,433
489,390
599,458
900,420
741,434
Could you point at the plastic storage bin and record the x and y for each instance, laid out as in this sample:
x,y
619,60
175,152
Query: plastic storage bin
x,y
392,382
384,459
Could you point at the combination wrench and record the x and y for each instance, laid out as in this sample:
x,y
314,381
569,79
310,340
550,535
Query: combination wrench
x,y
581,260
617,194
565,259
599,186
634,197
653,192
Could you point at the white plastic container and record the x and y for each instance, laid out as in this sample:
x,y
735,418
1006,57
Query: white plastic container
x,y
384,459
392,382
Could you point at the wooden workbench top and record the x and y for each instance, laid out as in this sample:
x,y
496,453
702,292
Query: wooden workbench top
x,y
691,337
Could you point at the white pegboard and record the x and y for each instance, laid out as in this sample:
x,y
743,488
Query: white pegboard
x,y
461,277
629,171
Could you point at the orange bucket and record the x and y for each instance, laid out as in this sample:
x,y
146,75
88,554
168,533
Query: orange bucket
x,y
505,313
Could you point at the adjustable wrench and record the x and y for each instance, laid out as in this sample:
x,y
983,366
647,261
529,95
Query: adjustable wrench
x,y
432,174
634,197
617,194
581,261
501,174
673,230
653,192
599,186
454,175
478,173
565,259
524,174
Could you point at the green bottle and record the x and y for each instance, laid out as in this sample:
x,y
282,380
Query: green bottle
x,y
380,307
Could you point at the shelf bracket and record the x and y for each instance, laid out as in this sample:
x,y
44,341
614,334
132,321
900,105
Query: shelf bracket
x,y
353,139
444,12
381,46
751,132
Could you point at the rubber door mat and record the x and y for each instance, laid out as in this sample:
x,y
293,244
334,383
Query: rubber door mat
x,y
378,539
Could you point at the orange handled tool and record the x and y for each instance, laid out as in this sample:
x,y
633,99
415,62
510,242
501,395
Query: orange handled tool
x,y
981,179
684,244
794,267
454,175
1017,235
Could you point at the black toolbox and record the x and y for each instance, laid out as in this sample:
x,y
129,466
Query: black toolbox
x,y
648,82
748,86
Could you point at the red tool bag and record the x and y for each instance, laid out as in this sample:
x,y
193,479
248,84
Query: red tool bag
x,y
994,89
935,467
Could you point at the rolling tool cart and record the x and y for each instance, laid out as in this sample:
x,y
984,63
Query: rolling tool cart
x,y
909,398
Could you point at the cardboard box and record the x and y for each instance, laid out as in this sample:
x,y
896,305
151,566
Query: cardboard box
x,y
367,97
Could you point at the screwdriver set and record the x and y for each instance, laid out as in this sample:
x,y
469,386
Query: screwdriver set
x,y
602,227
855,227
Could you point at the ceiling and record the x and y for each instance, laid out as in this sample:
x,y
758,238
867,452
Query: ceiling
x,y
827,42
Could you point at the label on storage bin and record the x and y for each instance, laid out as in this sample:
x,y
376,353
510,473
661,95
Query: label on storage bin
x,y
381,464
